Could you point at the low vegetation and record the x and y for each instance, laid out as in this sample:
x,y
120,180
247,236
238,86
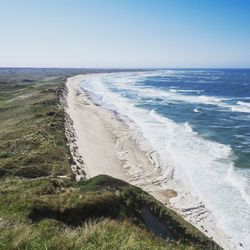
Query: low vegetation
x,y
41,204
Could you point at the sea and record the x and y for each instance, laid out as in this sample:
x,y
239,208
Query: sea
x,y
198,121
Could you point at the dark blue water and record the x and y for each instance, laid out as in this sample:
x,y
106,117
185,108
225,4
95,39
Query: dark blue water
x,y
227,121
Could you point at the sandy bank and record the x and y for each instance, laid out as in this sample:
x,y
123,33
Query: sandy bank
x,y
102,144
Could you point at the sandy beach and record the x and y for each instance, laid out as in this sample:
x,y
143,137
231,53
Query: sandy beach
x,y
101,143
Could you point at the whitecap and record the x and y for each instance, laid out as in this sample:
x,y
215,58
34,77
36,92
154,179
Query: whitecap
x,y
196,110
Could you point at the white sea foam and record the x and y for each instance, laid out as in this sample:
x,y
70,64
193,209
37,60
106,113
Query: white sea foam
x,y
241,107
246,104
240,182
196,110
202,167
185,91
131,82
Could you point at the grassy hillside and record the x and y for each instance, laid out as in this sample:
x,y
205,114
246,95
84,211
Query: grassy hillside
x,y
41,210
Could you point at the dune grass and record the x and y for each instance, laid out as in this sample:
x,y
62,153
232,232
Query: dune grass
x,y
33,143
19,197
103,234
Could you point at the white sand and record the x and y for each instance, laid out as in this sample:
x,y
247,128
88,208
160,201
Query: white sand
x,y
102,144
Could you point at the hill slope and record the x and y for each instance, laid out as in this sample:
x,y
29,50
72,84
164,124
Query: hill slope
x,y
43,207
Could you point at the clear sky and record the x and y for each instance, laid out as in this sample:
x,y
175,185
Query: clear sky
x,y
125,33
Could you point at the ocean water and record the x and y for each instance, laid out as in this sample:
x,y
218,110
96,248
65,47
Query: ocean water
x,y
199,123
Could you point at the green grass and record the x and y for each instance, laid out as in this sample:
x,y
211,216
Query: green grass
x,y
96,234
33,143
69,217
40,210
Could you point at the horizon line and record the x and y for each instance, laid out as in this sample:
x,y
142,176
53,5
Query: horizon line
x,y
110,68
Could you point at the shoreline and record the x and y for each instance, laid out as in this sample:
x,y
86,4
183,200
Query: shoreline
x,y
101,143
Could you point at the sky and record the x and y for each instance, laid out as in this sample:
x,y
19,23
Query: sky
x,y
125,33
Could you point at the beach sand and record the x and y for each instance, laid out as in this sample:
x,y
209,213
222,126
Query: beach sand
x,y
101,143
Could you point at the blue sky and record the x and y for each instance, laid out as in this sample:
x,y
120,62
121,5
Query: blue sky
x,y
125,33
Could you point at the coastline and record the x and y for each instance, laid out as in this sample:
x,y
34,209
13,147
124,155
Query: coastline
x,y
101,143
